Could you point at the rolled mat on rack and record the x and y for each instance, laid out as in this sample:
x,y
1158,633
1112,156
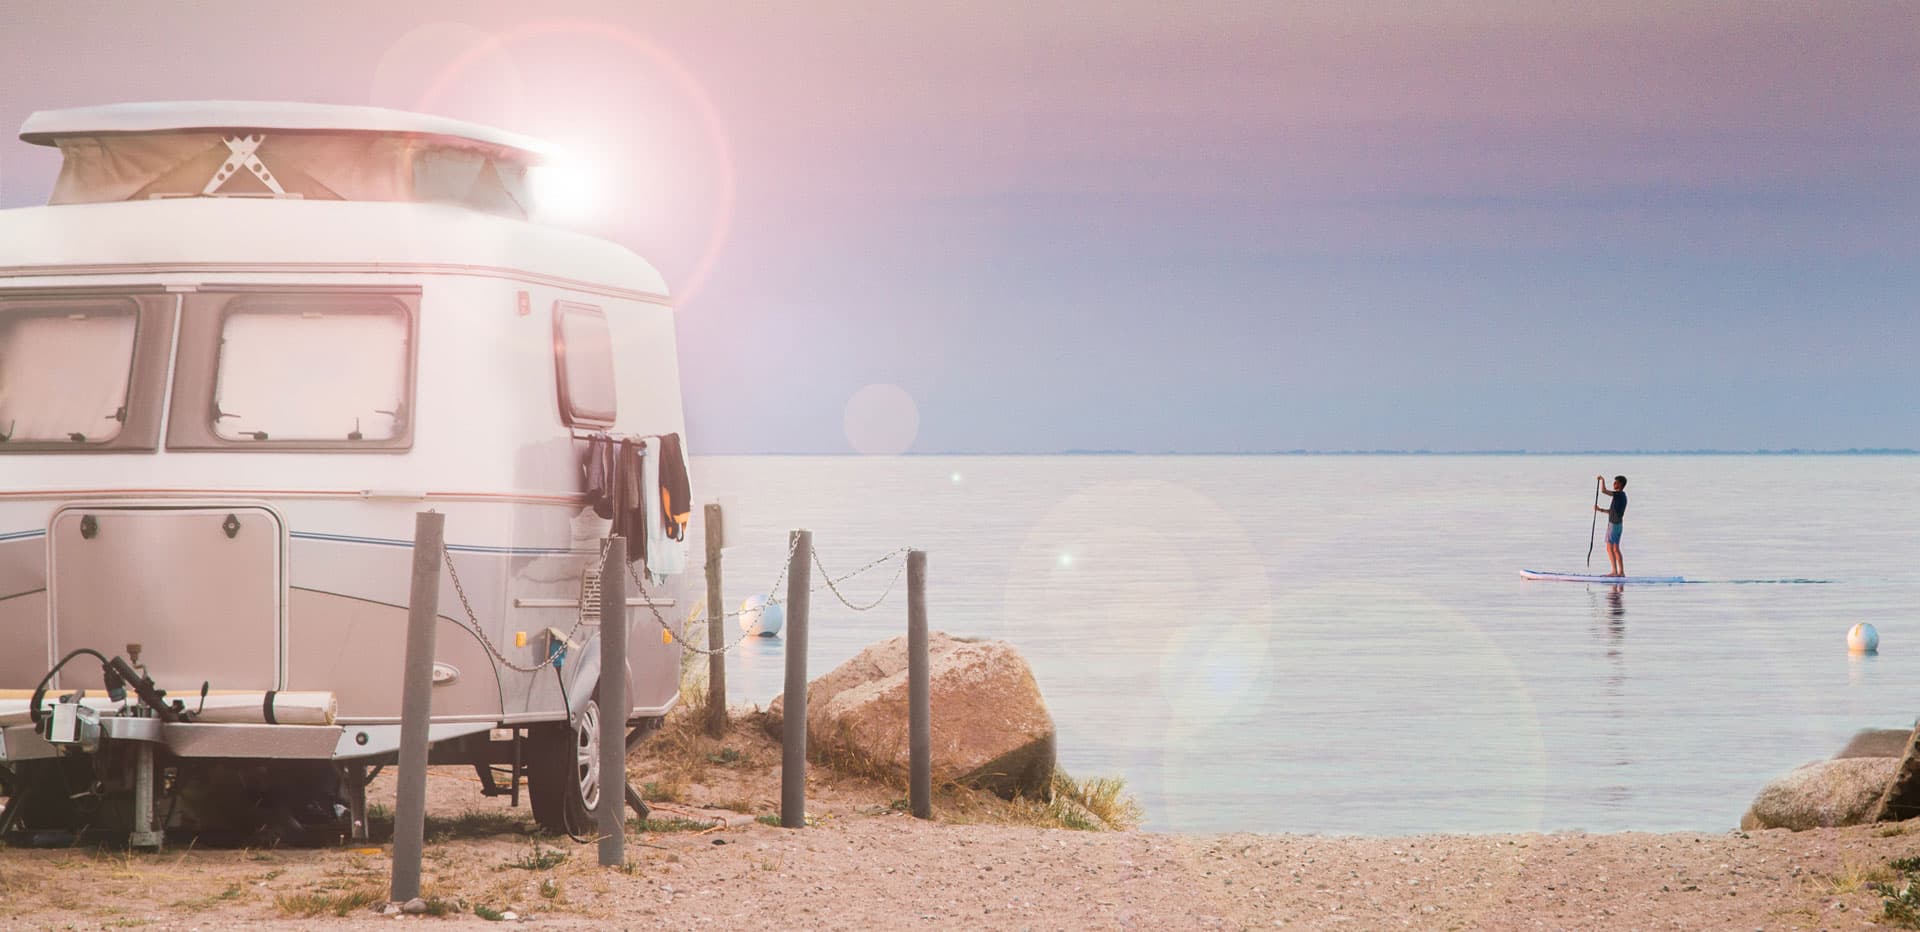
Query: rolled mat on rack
x,y
223,706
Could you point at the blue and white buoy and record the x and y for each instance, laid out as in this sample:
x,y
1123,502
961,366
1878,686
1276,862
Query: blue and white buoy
x,y
760,619
1862,639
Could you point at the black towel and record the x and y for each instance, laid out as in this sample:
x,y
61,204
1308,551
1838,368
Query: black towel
x,y
676,503
630,504
597,468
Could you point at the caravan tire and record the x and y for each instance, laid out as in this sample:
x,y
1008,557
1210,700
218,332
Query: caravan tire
x,y
563,772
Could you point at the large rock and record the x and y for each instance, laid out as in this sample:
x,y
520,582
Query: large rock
x,y
991,728
1822,794
1877,742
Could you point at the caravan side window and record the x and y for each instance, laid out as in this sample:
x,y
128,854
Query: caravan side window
x,y
301,368
295,371
64,370
83,371
583,363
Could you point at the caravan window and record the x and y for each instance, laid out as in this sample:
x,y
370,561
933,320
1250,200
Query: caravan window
x,y
312,368
583,358
64,370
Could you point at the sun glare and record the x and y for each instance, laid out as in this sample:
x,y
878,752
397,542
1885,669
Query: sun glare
x,y
567,189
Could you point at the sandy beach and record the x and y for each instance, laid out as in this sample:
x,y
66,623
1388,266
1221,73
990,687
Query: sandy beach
x,y
889,871
865,864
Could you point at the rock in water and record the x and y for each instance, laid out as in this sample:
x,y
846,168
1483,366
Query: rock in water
x,y
1876,742
991,728
1822,794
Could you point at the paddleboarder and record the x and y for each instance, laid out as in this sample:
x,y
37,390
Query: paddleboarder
x,y
1615,511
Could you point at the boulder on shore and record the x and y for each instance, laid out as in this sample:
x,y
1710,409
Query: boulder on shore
x,y
1877,742
1823,794
991,728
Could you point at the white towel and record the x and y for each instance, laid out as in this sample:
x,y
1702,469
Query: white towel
x,y
665,556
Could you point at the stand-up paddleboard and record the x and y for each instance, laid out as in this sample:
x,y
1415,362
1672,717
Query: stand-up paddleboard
x,y
1608,580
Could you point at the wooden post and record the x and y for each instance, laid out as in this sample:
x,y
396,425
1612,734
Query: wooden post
x,y
1901,799
416,704
919,690
613,705
793,757
716,627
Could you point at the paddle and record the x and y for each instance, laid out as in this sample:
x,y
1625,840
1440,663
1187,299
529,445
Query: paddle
x,y
1593,525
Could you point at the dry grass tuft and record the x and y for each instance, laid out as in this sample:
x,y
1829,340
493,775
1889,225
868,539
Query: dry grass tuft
x,y
844,754
1105,797
16,884
680,751
1854,876
1097,805
323,902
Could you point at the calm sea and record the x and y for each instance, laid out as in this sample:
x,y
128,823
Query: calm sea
x,y
1342,644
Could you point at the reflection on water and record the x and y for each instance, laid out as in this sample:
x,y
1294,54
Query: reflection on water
x,y
1275,643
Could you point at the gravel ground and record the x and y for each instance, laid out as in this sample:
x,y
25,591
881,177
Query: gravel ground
x,y
885,870
865,865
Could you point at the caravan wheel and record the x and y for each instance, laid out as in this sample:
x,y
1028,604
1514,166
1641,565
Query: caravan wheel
x,y
563,776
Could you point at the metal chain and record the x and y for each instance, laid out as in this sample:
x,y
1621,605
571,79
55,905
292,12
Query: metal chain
x,y
633,573
689,647
481,632
835,589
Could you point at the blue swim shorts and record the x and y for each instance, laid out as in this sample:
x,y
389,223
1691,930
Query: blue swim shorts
x,y
1613,533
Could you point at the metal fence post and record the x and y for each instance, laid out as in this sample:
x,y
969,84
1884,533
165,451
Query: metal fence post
x,y
613,704
716,627
416,704
919,690
793,759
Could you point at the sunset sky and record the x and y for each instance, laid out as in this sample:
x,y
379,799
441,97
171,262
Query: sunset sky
x,y
1154,226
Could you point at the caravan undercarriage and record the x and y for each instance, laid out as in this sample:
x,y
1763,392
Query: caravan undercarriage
x,y
140,782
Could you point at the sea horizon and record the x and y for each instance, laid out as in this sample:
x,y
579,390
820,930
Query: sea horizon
x,y
1850,451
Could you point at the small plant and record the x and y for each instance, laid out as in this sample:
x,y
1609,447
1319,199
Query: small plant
x,y
1902,904
670,791
489,913
539,859
1906,865
768,819
726,756
475,824
675,824
550,888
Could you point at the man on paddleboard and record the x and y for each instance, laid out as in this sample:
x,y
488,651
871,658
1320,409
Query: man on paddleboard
x,y
1615,512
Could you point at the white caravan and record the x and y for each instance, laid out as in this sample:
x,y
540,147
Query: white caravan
x,y
243,345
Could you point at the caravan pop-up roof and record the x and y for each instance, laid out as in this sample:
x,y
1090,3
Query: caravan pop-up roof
x,y
272,149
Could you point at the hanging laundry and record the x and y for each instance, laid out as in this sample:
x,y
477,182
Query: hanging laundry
x,y
675,497
631,513
598,474
666,556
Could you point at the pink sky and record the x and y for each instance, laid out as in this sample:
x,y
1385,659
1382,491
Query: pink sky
x,y
1349,186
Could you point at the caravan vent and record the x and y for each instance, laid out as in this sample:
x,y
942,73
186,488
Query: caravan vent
x,y
590,594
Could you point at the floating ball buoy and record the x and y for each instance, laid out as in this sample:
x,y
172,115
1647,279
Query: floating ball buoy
x,y
760,619
1862,639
